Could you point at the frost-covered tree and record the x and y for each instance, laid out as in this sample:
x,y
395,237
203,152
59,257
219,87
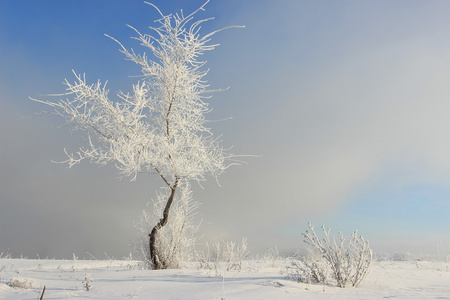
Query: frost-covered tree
x,y
160,127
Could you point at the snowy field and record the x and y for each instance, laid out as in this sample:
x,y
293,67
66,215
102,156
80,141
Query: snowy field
x,y
122,279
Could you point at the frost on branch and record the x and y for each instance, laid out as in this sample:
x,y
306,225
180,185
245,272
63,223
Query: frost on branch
x,y
346,261
159,127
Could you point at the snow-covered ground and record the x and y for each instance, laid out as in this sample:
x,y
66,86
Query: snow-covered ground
x,y
122,279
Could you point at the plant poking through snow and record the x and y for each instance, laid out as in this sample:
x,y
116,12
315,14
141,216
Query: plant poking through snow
x,y
229,253
159,128
87,281
349,261
21,283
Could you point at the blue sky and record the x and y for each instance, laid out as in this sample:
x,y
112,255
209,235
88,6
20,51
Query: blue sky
x,y
345,102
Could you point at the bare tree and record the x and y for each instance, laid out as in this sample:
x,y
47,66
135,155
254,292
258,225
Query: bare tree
x,y
160,127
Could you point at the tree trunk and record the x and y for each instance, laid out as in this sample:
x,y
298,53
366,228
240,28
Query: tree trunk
x,y
162,222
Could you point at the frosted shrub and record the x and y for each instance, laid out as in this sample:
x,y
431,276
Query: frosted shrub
x,y
348,262
5,255
227,253
21,283
206,261
231,253
176,240
271,256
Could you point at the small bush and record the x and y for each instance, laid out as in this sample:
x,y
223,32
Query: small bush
x,y
227,253
271,256
21,283
347,262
